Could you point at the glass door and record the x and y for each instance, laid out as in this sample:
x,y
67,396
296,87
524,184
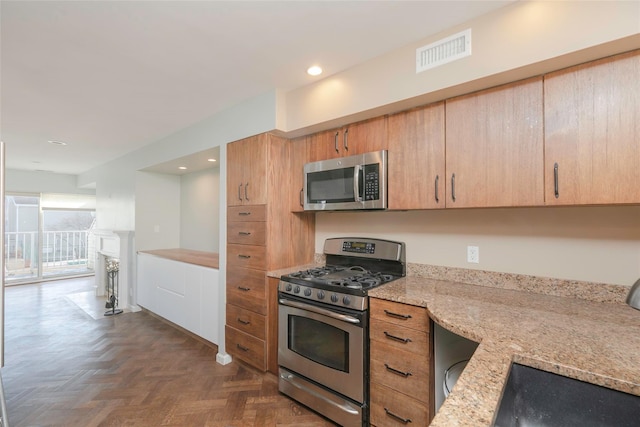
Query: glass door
x,y
21,237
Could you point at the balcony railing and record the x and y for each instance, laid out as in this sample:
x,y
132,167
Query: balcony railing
x,y
62,253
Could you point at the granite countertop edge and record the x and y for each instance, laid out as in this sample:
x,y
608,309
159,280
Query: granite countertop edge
x,y
591,341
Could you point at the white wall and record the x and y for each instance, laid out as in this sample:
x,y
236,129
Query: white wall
x,y
199,216
157,206
598,244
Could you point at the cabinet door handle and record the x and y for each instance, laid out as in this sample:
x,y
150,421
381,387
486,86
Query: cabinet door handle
x,y
241,347
240,192
556,189
395,338
242,288
396,371
453,187
436,189
244,233
246,194
346,139
302,197
335,142
397,316
244,322
397,417
244,256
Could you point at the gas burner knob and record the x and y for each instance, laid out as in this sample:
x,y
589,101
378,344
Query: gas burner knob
x,y
321,294
334,298
307,292
346,300
289,287
296,289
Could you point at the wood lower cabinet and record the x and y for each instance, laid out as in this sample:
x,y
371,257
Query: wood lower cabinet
x,y
592,133
400,364
261,237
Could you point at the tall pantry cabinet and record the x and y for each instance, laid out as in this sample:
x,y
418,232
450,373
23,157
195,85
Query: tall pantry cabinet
x,y
262,235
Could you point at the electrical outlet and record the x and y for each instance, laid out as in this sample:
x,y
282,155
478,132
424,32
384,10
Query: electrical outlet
x,y
473,254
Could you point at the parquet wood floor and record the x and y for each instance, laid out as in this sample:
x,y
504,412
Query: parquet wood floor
x,y
64,367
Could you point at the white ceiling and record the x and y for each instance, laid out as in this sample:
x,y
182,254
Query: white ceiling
x,y
108,77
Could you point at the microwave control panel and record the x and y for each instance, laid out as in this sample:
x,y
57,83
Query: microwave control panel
x,y
372,182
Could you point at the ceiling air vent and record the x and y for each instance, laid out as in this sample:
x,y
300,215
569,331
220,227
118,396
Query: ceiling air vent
x,y
446,50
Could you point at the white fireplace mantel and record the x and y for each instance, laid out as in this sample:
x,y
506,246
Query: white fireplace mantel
x,y
116,244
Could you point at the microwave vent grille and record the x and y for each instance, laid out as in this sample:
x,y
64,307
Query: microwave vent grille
x,y
443,51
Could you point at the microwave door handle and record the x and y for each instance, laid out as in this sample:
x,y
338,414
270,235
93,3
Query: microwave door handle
x,y
356,183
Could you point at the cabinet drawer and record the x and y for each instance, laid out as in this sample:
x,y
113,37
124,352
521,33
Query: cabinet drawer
x,y
246,288
401,314
247,213
248,256
245,347
246,321
400,370
389,408
247,233
399,337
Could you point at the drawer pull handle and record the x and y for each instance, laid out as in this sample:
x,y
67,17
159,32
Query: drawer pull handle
x,y
397,417
242,288
244,256
244,233
397,316
244,322
395,338
397,372
241,347
244,213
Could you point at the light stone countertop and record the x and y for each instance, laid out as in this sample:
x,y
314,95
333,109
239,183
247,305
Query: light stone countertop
x,y
591,341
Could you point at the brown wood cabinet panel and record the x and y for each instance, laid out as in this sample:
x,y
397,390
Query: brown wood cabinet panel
x,y
416,158
246,321
247,213
389,408
245,347
246,288
299,157
272,325
400,314
247,256
400,337
400,370
247,233
592,113
356,138
246,171
495,145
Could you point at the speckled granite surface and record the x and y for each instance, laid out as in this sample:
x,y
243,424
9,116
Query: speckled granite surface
x,y
592,341
578,329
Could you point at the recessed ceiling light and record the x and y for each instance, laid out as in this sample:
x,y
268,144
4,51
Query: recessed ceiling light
x,y
211,160
182,167
314,70
57,142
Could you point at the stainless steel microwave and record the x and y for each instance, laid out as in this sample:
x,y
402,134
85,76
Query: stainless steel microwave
x,y
347,183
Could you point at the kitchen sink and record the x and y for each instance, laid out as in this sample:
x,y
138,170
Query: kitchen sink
x,y
532,397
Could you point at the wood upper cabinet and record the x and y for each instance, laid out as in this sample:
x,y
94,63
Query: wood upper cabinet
x,y
416,146
299,156
246,171
495,144
592,133
356,138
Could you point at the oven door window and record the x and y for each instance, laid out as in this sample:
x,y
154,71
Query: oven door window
x,y
332,186
320,342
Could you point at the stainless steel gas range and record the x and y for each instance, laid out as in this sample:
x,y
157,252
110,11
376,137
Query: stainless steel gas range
x,y
323,333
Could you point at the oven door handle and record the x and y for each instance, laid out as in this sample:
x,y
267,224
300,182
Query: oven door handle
x,y
318,310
